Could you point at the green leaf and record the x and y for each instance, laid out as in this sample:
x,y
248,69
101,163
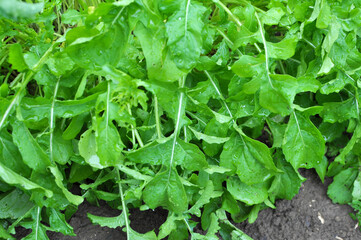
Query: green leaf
x,y
356,191
57,223
283,49
16,57
250,194
184,30
169,225
12,178
340,190
285,185
59,64
16,9
87,149
278,131
94,49
158,58
273,16
139,236
33,155
214,128
279,96
10,155
108,143
71,16
15,204
38,229
4,234
79,172
303,144
248,66
324,18
207,138
36,109
205,195
166,190
350,145
340,111
59,180
159,153
74,127
250,159
62,149
337,84
110,222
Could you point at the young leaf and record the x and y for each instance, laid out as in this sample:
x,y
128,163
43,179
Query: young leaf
x,y
16,57
33,155
184,29
340,190
286,184
205,197
158,153
10,155
15,204
250,194
57,223
12,178
158,58
166,190
59,179
250,159
207,138
303,144
110,222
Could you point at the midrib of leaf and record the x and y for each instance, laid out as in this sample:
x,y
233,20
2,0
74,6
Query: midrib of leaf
x,y
265,49
118,15
186,18
6,148
107,111
189,227
176,129
157,121
127,226
219,94
196,117
37,223
298,127
52,123
229,12
7,112
356,95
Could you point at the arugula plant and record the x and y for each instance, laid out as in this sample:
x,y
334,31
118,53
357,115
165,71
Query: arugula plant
x,y
204,108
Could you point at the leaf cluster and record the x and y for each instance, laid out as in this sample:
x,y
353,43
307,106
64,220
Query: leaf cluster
x,y
204,108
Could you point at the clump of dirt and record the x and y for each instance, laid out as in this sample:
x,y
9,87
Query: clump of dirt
x,y
311,215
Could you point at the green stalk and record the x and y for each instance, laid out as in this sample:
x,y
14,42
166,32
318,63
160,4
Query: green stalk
x,y
235,19
52,121
176,129
135,133
123,205
158,126
265,49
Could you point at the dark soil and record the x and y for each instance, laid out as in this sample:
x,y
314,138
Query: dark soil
x,y
309,216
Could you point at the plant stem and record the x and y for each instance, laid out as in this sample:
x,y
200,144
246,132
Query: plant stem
x,y
156,112
123,204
